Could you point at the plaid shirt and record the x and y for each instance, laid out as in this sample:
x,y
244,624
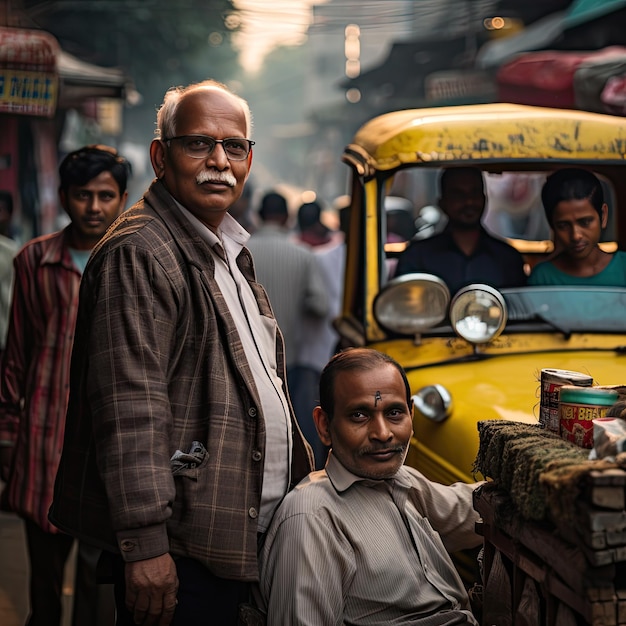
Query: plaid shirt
x,y
157,365
35,373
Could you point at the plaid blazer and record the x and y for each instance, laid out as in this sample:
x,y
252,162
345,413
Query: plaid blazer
x,y
157,363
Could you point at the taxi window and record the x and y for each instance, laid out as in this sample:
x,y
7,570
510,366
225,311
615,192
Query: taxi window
x,y
513,207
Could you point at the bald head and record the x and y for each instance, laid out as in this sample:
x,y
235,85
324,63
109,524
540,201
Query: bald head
x,y
168,113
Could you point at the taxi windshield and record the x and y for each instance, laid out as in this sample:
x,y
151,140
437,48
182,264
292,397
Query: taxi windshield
x,y
569,309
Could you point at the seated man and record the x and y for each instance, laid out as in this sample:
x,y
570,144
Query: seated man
x,y
464,252
574,204
366,540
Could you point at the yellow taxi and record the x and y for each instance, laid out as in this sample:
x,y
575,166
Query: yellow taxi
x,y
479,353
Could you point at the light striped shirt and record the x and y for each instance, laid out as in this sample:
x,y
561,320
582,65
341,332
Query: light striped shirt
x,y
339,551
258,335
294,284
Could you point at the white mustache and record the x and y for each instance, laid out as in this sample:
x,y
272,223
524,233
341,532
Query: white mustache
x,y
216,177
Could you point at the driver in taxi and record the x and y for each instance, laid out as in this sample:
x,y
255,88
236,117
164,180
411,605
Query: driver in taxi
x,y
465,252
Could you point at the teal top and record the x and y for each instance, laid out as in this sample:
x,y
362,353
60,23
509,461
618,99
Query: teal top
x,y
80,258
613,275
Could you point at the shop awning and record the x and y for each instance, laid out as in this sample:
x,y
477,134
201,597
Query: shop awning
x,y
569,80
28,76
37,76
80,80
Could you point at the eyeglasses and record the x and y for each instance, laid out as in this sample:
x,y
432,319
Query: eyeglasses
x,y
201,146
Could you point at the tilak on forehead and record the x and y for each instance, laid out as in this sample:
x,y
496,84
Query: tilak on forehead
x,y
377,397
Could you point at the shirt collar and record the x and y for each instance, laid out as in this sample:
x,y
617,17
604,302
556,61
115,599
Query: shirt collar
x,y
229,227
342,479
57,253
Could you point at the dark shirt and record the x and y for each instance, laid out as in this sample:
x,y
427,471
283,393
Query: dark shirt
x,y
494,262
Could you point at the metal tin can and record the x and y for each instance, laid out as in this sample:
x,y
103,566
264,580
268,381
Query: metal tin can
x,y
551,381
578,407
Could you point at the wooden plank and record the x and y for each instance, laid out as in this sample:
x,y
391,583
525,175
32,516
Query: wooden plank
x,y
580,536
596,519
602,594
568,560
609,476
616,537
604,614
609,497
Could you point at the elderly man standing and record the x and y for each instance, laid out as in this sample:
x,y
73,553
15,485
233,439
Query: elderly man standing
x,y
365,541
180,441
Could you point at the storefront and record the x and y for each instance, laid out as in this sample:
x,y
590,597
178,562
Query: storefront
x,y
39,84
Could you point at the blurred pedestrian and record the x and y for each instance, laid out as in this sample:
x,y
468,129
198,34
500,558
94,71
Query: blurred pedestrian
x,y
180,440
8,249
318,337
311,230
6,214
297,292
35,379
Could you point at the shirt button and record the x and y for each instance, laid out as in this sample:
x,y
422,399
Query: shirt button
x,y
252,512
252,411
256,455
127,545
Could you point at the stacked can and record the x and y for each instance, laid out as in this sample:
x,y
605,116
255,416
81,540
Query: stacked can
x,y
551,382
578,407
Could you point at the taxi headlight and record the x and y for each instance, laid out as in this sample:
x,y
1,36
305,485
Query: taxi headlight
x,y
478,313
434,402
412,303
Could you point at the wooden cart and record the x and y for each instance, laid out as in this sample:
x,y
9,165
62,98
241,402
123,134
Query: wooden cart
x,y
567,566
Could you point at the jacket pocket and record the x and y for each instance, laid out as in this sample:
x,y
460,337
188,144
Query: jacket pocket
x,y
188,464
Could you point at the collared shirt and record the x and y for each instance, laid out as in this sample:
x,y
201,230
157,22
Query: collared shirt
x,y
158,364
35,372
258,336
294,283
494,261
339,551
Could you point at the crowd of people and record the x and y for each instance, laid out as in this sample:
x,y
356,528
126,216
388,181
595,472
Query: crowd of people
x,y
173,398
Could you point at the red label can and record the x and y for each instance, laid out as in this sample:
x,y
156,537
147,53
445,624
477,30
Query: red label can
x,y
578,407
551,382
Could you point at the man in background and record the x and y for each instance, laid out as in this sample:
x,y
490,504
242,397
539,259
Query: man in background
x,y
297,292
464,252
8,249
34,378
574,205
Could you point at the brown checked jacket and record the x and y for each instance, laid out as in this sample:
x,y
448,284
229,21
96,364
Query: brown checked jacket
x,y
158,364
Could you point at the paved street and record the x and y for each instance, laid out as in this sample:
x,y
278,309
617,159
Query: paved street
x,y
14,574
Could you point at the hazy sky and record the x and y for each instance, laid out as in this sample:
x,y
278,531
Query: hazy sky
x,y
267,23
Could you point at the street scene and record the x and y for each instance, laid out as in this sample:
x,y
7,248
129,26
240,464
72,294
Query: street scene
x,y
312,312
